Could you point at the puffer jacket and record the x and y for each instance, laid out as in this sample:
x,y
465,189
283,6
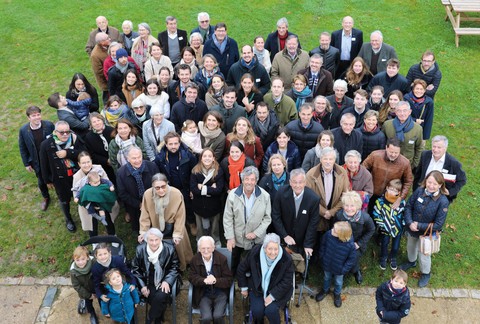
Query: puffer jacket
x,y
372,141
362,230
304,137
393,306
121,306
337,257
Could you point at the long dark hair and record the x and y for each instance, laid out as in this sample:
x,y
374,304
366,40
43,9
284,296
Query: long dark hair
x,y
138,83
90,89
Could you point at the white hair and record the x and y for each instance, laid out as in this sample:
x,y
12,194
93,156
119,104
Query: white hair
x,y
379,33
203,14
440,138
206,238
195,34
271,238
282,21
340,84
353,153
153,231
127,22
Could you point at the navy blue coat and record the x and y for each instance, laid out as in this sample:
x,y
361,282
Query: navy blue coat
x,y
362,230
398,82
294,161
358,117
260,75
267,183
357,41
26,143
182,110
127,188
372,141
271,44
185,165
337,257
394,307
336,111
433,76
344,143
229,56
304,138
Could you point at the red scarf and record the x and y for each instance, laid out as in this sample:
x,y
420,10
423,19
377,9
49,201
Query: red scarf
x,y
282,40
349,176
234,168
365,128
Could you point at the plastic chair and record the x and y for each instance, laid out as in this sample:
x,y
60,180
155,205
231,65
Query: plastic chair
x,y
229,308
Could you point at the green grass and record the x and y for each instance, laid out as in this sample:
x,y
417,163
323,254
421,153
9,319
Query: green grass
x,y
42,46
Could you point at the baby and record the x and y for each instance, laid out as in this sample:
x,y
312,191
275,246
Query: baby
x,y
81,106
191,136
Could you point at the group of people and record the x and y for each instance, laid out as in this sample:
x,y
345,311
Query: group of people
x,y
320,147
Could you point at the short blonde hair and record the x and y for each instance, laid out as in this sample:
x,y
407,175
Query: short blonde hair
x,y
400,274
277,156
80,251
344,231
352,197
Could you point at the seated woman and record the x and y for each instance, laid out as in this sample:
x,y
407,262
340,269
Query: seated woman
x,y
300,92
156,268
285,147
359,177
358,76
215,91
207,71
132,86
242,131
276,175
362,227
247,94
115,109
211,278
188,57
422,107
233,164
211,134
322,111
373,137
155,95
80,84
387,111
154,130
312,157
270,284
156,62
163,208
141,44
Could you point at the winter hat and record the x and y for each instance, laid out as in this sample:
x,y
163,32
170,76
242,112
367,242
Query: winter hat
x,y
121,53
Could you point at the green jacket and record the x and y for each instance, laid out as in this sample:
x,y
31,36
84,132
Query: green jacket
x,y
82,283
412,146
113,151
285,109
286,68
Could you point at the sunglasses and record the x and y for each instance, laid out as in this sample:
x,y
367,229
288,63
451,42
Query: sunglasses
x,y
138,108
160,187
63,132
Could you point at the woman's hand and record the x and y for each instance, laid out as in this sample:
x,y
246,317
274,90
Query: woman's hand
x,y
93,297
357,246
414,227
75,200
165,287
191,195
214,185
419,121
112,188
268,300
199,186
104,298
108,162
145,291
327,215
177,240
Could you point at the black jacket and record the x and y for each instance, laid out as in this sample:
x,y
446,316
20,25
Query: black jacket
x,y
433,76
372,141
127,189
357,41
393,307
211,204
185,165
302,227
304,138
95,146
227,58
182,110
260,75
362,230
363,84
174,93
358,117
336,110
331,57
267,183
163,40
280,286
344,143
269,138
272,43
324,84
115,80
26,143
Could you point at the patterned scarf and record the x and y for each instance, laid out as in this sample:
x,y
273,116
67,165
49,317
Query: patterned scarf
x,y
69,164
104,140
208,75
137,174
113,116
124,146
355,218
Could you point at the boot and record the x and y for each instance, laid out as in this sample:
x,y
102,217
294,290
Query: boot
x,y
93,318
424,280
65,206
321,295
407,265
193,229
337,300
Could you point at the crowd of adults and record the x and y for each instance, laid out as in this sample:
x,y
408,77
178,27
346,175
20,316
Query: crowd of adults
x,y
196,132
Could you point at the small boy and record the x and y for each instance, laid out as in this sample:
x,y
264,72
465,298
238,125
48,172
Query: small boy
x,y
391,222
82,281
393,299
81,106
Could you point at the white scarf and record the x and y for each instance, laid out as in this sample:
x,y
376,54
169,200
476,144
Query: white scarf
x,y
160,204
153,256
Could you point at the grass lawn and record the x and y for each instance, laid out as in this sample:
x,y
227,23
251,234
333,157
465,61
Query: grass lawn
x,y
42,46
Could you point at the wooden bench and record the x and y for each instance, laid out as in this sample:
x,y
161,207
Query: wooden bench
x,y
465,31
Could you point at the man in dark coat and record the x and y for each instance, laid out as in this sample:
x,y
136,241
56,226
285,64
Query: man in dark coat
x,y
276,41
176,89
30,136
377,53
133,179
224,48
204,27
102,27
264,123
248,63
428,71
58,163
349,41
173,40
347,138
359,108
330,55
295,213
189,107
390,79
318,78
438,159
229,109
65,113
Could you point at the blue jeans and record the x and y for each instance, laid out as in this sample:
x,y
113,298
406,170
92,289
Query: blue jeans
x,y
337,284
395,245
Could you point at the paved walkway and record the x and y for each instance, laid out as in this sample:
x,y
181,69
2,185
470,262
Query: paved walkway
x,y
53,300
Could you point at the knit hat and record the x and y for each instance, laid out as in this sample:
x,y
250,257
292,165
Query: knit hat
x,y
121,53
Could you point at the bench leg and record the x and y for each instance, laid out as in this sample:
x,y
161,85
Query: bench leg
x,y
456,39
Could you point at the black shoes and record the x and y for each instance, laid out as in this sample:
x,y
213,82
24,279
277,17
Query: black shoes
x,y
358,278
424,280
45,203
71,226
383,264
93,318
393,264
321,295
407,265
337,300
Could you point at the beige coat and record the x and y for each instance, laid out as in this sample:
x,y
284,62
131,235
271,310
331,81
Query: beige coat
x,y
315,182
136,43
286,68
174,213
97,57
85,218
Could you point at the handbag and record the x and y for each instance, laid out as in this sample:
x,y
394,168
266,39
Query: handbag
x,y
429,242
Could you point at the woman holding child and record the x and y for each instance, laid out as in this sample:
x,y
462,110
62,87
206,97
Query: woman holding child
x,y
80,84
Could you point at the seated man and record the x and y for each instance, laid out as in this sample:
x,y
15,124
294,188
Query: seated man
x,y
64,112
428,71
295,213
346,137
319,79
224,48
172,40
390,80
229,109
376,53
276,41
189,107
102,24
330,55
359,108
438,159
283,105
204,27
211,279
348,40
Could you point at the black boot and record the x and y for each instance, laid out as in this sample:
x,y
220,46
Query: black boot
x,y
68,217
93,318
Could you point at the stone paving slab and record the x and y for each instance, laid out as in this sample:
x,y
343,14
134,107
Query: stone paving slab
x,y
20,304
475,293
442,293
460,293
27,281
424,292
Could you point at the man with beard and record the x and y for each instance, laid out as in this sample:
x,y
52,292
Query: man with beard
x,y
329,54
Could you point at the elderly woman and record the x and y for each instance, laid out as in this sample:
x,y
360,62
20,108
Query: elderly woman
x,y
208,70
263,55
80,179
155,267
163,208
80,84
154,130
387,111
141,45
428,205
215,91
338,101
188,57
196,42
211,134
270,284
322,111
359,177
276,175
300,92
156,62
362,226
243,132
211,278
128,35
312,157
285,147
373,138
358,76
422,107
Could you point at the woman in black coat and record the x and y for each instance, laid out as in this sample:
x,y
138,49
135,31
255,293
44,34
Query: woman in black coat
x,y
270,266
276,177
80,84
373,137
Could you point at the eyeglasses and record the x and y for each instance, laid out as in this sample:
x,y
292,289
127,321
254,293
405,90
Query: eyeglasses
x,y
204,21
63,132
160,187
138,108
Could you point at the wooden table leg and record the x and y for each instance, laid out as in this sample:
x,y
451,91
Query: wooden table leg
x,y
457,25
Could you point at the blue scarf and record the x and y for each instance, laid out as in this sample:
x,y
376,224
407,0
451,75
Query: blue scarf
x,y
395,291
429,194
248,66
401,129
221,46
302,96
267,266
277,182
137,174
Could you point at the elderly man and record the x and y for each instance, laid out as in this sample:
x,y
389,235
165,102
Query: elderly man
x,y
386,165
295,213
438,159
65,113
224,48
276,41
404,127
211,278
58,163
133,179
428,71
97,58
265,124
283,105
330,55
329,181
229,109
349,41
376,53
204,27
189,107
30,136
319,79
173,40
102,27
390,80
247,215
303,131
347,138
287,63
248,63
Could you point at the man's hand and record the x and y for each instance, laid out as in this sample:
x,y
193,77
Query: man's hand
x,y
289,240
245,293
29,168
61,154
308,252
327,215
251,236
140,239
268,300
230,244
145,291
50,185
414,227
177,240
165,287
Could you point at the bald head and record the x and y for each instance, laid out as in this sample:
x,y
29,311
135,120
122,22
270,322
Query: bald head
x,y
102,23
347,24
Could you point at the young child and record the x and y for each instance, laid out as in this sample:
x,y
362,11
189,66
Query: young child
x,y
98,196
81,276
81,106
191,136
393,298
122,301
391,222
376,98
337,253
105,262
